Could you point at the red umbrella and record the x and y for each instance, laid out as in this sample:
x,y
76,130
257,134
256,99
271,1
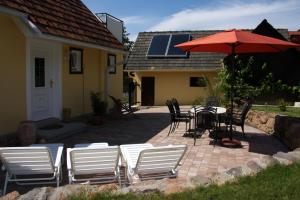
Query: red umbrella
x,y
236,42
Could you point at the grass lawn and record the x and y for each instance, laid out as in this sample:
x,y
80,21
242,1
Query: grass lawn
x,y
277,182
290,111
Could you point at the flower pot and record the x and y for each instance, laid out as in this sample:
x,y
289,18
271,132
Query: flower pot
x,y
26,133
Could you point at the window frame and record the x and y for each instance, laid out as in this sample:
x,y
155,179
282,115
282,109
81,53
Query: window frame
x,y
202,84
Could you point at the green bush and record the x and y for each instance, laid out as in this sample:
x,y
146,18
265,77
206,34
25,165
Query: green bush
x,y
99,107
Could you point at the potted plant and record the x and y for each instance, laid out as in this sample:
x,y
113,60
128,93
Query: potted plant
x,y
99,107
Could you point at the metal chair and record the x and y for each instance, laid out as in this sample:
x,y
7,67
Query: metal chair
x,y
205,119
239,115
174,119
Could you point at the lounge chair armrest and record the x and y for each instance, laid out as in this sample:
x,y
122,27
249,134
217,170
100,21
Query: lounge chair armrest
x,y
69,165
58,157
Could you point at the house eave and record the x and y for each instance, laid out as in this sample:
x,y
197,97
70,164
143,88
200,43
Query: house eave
x,y
25,23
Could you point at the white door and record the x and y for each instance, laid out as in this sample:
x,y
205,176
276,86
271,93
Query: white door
x,y
41,83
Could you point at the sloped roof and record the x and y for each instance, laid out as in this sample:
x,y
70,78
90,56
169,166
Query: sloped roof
x,y
138,59
69,19
197,61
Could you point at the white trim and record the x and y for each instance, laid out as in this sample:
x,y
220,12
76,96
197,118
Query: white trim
x,y
78,43
12,12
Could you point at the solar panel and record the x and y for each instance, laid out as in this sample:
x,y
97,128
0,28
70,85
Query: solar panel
x,y
158,46
177,39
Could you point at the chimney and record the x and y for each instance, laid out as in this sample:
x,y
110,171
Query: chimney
x,y
113,24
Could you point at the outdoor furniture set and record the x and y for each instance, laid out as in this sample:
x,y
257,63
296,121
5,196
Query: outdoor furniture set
x,y
208,117
89,163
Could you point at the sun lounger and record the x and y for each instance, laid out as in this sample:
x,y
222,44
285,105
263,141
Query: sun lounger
x,y
37,164
147,162
94,163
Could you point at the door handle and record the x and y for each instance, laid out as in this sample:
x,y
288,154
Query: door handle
x,y
51,83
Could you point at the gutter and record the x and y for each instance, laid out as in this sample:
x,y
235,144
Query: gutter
x,y
153,69
38,34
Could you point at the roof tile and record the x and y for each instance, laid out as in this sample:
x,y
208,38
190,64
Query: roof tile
x,y
70,19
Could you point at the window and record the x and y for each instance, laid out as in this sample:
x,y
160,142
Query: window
x,y
197,82
75,61
111,64
164,45
39,72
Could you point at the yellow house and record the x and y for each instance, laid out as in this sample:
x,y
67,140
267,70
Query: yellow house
x,y
52,55
162,71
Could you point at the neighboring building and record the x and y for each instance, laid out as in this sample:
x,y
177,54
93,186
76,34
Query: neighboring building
x,y
295,36
163,72
52,55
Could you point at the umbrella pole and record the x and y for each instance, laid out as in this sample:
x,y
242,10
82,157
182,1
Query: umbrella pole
x,y
230,142
231,89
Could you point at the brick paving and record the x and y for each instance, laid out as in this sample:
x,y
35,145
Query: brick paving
x,y
205,159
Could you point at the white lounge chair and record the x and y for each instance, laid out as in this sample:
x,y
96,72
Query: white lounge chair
x,y
93,163
37,164
148,162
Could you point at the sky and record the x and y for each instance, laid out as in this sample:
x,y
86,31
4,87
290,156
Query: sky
x,y
172,15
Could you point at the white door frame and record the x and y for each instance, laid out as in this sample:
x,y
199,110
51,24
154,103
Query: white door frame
x,y
56,56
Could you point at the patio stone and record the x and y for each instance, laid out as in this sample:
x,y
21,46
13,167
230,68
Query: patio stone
x,y
202,164
37,194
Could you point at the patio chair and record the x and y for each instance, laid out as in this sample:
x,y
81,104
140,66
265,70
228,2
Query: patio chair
x,y
36,164
175,120
121,107
178,111
206,119
143,161
239,115
94,163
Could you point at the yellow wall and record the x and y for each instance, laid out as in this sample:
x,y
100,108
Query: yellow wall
x,y
93,79
175,84
12,75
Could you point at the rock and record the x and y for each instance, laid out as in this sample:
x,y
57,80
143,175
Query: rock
x,y
254,167
266,161
284,158
292,135
149,186
37,194
270,123
295,155
10,196
263,119
235,172
198,181
222,178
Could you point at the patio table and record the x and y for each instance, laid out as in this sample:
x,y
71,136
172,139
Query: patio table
x,y
221,111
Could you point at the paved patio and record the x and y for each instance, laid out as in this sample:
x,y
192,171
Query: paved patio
x,y
152,125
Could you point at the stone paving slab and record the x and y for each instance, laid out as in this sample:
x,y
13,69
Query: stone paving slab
x,y
202,160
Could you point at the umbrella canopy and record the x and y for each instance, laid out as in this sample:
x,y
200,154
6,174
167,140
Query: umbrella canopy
x,y
236,41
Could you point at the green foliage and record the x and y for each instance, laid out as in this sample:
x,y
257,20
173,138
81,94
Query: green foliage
x,y
252,81
290,111
128,44
276,182
282,105
99,106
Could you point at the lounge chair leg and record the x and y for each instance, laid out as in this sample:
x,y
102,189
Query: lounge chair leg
x,y
5,183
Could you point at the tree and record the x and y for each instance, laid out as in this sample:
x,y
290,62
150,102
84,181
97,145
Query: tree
x,y
253,80
128,44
